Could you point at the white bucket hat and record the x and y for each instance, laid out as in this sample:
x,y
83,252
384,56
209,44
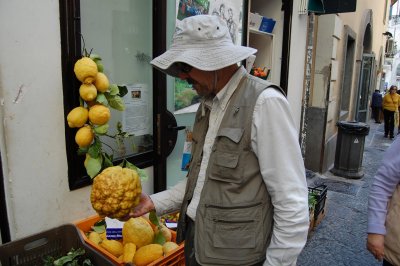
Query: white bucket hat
x,y
204,42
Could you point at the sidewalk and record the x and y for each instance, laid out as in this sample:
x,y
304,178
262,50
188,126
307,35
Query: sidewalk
x,y
340,238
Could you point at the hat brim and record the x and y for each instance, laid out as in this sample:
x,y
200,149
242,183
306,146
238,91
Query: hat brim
x,y
203,58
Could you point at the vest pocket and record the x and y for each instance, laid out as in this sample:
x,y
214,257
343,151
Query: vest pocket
x,y
234,233
225,168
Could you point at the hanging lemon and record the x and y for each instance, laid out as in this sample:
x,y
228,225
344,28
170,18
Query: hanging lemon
x,y
77,117
99,114
102,84
88,92
85,70
84,136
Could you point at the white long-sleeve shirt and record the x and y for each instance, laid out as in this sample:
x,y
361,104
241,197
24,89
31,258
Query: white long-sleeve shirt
x,y
275,142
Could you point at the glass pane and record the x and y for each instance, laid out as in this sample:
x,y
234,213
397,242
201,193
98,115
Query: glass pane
x,y
121,33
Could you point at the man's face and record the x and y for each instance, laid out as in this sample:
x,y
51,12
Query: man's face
x,y
200,80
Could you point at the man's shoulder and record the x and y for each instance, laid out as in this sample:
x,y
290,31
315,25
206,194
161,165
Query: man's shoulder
x,y
264,84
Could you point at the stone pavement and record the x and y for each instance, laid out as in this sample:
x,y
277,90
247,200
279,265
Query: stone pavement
x,y
340,238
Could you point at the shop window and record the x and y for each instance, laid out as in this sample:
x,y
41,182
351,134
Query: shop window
x,y
121,33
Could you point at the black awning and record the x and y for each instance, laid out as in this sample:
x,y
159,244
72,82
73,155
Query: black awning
x,y
324,7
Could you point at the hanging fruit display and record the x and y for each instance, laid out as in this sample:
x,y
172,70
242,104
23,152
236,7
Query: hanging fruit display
x,y
116,189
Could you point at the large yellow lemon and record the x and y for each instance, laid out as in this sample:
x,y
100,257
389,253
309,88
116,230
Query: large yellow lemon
x,y
84,136
77,117
85,70
99,114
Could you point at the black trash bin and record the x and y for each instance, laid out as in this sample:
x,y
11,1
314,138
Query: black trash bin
x,y
350,149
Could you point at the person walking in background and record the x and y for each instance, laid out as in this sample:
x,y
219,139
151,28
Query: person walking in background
x,y
245,199
398,127
376,106
390,105
383,239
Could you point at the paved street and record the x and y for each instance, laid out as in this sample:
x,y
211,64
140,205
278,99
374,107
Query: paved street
x,y
340,238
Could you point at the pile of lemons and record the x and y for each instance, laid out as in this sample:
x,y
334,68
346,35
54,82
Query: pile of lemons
x,y
138,243
86,116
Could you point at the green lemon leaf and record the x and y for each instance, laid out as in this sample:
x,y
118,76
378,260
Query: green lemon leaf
x,y
82,151
123,90
153,218
143,175
114,89
116,102
101,98
100,66
100,226
93,166
95,57
101,130
95,149
159,238
107,160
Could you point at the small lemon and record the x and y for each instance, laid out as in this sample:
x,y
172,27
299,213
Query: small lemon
x,y
129,252
113,246
88,92
84,136
168,247
102,84
95,237
85,70
77,117
99,114
165,232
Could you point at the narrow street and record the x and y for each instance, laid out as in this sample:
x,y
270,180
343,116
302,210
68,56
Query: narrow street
x,y
340,238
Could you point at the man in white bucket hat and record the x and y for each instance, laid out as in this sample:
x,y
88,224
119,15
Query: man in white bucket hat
x,y
245,199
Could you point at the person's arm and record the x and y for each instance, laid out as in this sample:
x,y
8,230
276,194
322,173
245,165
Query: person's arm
x,y
275,142
169,200
164,202
383,186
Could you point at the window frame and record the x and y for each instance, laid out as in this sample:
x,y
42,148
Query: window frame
x,y
70,29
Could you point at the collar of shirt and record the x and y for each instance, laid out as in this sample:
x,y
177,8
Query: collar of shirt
x,y
225,94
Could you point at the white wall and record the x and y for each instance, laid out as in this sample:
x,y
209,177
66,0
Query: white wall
x,y
32,133
296,63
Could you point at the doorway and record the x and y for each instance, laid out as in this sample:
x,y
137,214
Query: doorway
x,y
364,87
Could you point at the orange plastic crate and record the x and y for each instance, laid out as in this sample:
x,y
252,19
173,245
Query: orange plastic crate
x,y
176,258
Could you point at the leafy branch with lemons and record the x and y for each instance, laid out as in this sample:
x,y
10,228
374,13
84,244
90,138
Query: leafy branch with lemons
x,y
92,117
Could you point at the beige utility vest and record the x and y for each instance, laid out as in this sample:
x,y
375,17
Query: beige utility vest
x,y
234,217
392,238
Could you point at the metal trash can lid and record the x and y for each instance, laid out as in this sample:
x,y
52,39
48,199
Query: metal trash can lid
x,y
353,127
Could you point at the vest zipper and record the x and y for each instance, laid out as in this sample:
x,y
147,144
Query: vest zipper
x,y
231,222
232,207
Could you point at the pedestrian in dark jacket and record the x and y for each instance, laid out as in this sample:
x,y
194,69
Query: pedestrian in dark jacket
x,y
376,105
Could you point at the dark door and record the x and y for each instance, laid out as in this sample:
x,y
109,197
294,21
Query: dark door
x,y
364,87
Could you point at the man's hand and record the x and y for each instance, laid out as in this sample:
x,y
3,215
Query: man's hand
x,y
145,205
375,245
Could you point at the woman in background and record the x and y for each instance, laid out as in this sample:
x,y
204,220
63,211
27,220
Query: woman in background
x,y
390,106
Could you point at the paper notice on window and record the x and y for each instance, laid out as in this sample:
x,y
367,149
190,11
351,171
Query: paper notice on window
x,y
135,118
